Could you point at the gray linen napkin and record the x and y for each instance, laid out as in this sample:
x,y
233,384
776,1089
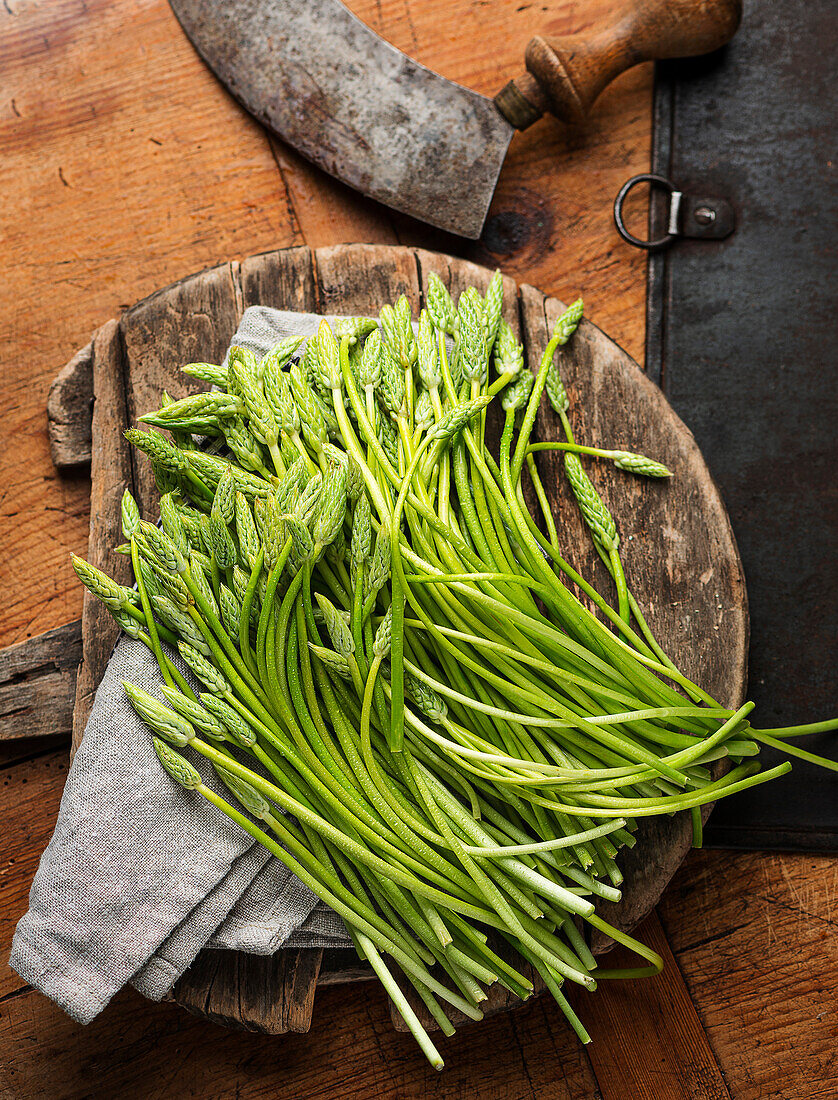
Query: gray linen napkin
x,y
139,874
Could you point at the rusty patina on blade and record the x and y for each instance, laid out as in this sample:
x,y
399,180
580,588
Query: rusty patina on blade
x,y
355,105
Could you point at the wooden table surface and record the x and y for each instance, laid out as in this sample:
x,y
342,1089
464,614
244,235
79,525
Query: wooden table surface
x,y
124,166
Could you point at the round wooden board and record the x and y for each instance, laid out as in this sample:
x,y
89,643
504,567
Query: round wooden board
x,y
680,555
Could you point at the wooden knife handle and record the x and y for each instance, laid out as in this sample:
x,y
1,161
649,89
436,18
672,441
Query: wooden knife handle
x,y
565,75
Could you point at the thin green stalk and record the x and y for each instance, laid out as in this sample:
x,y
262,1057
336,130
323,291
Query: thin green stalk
x,y
244,620
149,617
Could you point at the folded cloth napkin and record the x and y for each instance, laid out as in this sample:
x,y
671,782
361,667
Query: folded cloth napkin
x,y
139,874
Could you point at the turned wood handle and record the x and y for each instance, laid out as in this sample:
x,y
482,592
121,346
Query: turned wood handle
x,y
565,75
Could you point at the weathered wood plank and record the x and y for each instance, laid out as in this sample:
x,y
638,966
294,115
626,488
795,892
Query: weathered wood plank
x,y
193,319
38,684
664,1054
326,210
351,1053
30,792
302,969
755,939
70,412
270,994
283,279
360,278
110,477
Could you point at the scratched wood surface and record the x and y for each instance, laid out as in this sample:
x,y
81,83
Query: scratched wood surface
x,y
125,165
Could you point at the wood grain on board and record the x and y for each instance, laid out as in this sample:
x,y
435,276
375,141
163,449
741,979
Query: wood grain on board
x,y
351,279
127,168
110,476
755,939
70,412
277,279
666,1054
38,684
271,994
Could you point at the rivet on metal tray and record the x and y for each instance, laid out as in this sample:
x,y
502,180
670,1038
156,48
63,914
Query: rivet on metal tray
x,y
697,218
705,215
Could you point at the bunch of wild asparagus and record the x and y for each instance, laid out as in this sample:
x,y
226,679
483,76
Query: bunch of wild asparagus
x,y
431,731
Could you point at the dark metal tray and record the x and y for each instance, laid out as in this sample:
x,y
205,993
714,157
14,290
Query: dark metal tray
x,y
742,339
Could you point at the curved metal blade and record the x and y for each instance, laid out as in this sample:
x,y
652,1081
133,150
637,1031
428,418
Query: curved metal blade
x,y
355,105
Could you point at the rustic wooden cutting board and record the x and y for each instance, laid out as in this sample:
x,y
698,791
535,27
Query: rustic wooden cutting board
x,y
679,551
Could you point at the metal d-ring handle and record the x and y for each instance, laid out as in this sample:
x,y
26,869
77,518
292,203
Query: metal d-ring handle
x,y
710,219
675,197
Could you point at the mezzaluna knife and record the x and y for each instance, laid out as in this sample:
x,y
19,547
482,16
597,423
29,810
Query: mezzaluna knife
x,y
393,129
